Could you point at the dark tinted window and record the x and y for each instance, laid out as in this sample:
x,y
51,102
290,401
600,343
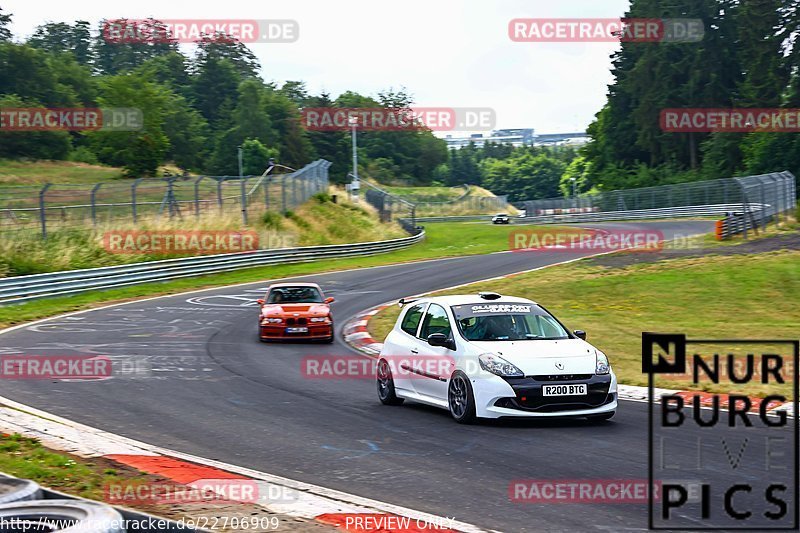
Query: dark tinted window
x,y
411,319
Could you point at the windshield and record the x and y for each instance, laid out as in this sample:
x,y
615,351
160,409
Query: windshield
x,y
506,322
294,295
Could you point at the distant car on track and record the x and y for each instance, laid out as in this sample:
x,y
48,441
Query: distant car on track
x,y
501,218
295,311
492,356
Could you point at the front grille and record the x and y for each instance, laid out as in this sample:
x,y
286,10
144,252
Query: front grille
x,y
554,406
562,377
302,321
290,321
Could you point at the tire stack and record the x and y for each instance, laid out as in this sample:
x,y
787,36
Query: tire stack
x,y
26,507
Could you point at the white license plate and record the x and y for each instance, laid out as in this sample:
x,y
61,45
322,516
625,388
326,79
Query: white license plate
x,y
296,330
564,390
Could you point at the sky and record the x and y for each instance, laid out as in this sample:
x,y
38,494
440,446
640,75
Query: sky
x,y
445,53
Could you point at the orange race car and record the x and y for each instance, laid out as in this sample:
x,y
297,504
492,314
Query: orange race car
x,y
295,311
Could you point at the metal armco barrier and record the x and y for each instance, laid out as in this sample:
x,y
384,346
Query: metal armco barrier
x,y
25,288
764,199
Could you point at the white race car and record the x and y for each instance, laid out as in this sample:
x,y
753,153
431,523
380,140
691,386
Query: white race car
x,y
492,356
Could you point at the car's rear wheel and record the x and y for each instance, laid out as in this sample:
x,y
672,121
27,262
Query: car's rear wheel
x,y
386,392
601,418
460,399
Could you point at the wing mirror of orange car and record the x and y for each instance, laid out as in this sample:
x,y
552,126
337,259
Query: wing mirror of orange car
x,y
260,301
329,299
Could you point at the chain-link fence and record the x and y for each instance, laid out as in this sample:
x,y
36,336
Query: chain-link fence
x,y
53,206
761,198
391,207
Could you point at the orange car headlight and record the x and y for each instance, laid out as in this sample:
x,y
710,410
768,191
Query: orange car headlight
x,y
320,319
265,321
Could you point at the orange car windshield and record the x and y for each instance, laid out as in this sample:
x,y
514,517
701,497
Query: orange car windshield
x,y
294,295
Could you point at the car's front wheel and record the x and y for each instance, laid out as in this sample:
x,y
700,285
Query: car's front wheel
x,y
460,399
386,392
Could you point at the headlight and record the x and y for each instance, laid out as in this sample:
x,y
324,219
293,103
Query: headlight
x,y
265,321
498,366
319,319
602,366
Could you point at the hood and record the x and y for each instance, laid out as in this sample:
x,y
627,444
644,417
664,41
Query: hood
x,y
289,309
537,357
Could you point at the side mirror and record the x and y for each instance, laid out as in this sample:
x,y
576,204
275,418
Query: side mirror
x,y
260,301
329,299
439,339
580,334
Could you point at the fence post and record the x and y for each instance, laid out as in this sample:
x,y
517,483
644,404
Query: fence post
x,y
42,212
294,192
266,192
197,196
133,199
243,189
283,193
93,202
220,179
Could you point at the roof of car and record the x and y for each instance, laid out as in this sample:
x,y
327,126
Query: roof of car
x,y
298,284
460,299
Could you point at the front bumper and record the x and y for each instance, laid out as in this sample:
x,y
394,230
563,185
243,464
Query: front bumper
x,y
278,333
497,397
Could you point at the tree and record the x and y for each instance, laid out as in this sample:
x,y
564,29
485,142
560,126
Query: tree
x,y
219,46
5,21
255,157
215,90
58,37
122,44
187,132
31,144
140,152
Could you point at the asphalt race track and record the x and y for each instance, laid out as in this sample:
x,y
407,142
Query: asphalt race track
x,y
191,375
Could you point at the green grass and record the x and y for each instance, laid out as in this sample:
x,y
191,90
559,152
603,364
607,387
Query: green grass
x,y
26,458
17,172
443,240
427,194
733,296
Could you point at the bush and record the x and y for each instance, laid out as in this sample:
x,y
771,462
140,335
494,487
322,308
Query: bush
x,y
291,215
83,155
272,220
322,197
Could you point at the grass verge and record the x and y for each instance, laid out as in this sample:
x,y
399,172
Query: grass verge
x,y
713,296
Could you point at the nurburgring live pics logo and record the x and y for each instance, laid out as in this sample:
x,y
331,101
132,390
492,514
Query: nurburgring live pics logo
x,y
747,458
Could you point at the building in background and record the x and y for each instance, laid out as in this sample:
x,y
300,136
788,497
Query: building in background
x,y
519,137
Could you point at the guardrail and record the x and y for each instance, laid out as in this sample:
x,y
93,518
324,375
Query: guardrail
x,y
637,214
36,286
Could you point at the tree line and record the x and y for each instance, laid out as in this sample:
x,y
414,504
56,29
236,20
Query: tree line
x,y
747,58
197,109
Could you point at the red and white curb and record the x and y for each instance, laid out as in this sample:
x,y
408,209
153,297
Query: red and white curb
x,y
357,336
344,511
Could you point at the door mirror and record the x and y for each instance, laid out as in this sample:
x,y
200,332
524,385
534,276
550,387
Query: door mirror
x,y
329,299
260,301
439,339
580,334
